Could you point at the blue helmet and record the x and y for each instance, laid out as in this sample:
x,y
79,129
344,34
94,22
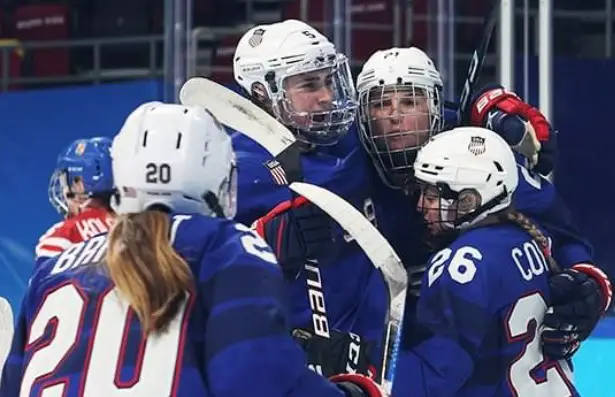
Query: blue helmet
x,y
87,161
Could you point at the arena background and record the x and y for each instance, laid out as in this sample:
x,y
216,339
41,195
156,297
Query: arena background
x,y
70,69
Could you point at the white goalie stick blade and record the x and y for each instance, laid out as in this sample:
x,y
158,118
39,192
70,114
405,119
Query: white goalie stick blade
x,y
383,257
237,112
6,330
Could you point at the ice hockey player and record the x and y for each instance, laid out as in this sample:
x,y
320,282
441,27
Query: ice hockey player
x,y
485,294
401,106
79,190
176,300
292,71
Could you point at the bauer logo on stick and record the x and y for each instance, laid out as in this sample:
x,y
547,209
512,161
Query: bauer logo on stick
x,y
257,37
476,145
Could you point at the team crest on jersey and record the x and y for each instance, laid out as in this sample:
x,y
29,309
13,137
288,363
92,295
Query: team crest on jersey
x,y
476,145
80,149
257,37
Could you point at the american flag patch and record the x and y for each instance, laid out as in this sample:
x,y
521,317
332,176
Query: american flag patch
x,y
476,145
257,37
277,172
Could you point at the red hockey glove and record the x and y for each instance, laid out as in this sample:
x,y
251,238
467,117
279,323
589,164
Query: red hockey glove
x,y
523,126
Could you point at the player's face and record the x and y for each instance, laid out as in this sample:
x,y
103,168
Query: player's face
x,y
437,213
310,92
401,116
75,196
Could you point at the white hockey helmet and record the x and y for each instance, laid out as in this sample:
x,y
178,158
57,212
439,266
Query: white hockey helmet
x,y
471,170
174,156
298,75
400,107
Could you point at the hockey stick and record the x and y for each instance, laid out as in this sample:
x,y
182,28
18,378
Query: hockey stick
x,y
383,257
242,115
246,118
265,130
476,63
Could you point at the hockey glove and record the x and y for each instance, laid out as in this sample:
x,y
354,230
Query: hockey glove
x,y
341,353
355,385
580,296
523,126
296,230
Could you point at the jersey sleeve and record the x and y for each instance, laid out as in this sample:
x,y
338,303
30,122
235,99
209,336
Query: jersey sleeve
x,y
248,346
52,243
10,380
537,197
258,192
454,314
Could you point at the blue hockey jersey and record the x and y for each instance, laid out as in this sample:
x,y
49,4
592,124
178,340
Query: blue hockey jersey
x,y
76,337
536,196
482,301
355,298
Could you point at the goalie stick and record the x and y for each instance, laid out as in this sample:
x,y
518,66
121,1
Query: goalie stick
x,y
242,115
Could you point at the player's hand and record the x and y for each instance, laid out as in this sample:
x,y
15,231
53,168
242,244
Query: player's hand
x,y
296,230
580,297
341,353
523,126
355,385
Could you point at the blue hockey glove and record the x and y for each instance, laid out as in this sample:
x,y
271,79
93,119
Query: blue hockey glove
x,y
523,126
297,231
580,295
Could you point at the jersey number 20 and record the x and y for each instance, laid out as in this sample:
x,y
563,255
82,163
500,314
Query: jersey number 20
x,y
154,373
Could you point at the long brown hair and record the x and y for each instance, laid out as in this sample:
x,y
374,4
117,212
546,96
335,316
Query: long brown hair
x,y
146,269
526,224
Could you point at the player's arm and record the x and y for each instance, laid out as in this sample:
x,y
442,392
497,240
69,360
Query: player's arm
x,y
582,293
451,319
248,344
10,380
